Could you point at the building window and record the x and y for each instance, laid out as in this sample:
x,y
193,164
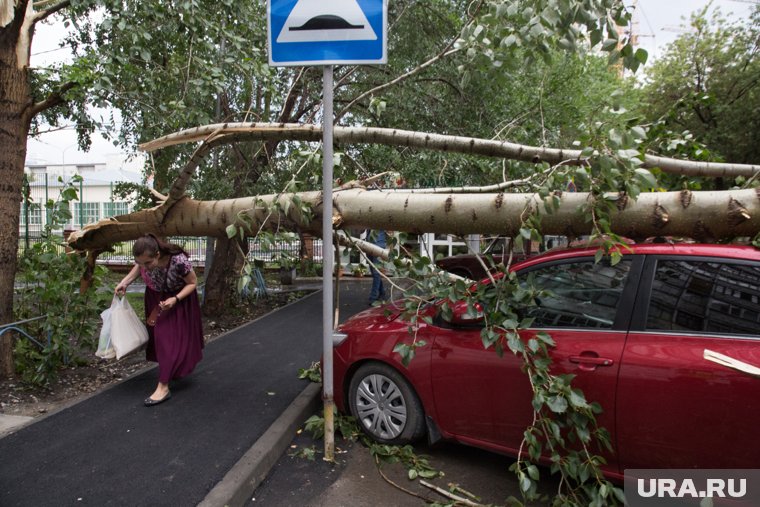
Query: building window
x,y
35,214
111,209
86,212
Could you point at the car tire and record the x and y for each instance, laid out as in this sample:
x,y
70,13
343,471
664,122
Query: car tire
x,y
385,405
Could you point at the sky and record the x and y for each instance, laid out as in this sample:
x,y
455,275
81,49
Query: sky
x,y
658,23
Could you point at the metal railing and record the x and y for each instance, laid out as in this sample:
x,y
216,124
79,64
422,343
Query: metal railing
x,y
196,248
14,326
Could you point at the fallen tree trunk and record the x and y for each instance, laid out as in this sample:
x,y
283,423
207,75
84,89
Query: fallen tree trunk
x,y
704,216
224,133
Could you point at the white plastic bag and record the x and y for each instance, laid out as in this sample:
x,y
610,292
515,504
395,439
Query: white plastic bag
x,y
128,332
105,349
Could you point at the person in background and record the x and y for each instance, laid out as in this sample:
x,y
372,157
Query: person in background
x,y
175,339
377,292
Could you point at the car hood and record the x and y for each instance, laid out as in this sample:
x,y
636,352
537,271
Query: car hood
x,y
377,316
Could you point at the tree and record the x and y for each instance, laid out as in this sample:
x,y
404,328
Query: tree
x,y
706,216
121,58
210,64
19,106
213,52
708,83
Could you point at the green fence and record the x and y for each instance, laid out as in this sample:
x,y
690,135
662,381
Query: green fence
x,y
196,248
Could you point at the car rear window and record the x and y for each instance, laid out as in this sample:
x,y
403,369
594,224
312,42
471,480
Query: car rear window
x,y
711,297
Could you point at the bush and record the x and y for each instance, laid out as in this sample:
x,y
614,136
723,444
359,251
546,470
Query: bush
x,y
49,288
70,327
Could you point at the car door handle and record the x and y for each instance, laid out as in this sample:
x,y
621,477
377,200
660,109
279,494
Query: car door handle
x,y
730,362
591,360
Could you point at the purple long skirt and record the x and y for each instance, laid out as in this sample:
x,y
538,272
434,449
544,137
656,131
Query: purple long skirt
x,y
176,341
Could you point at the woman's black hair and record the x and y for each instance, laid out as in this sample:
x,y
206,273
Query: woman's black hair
x,y
153,245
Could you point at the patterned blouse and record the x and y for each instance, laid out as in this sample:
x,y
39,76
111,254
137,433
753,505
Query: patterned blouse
x,y
174,274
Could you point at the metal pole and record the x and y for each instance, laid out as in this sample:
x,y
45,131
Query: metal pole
x,y
47,196
81,204
27,195
327,261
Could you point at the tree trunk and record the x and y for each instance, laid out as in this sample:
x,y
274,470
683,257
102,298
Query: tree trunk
x,y
705,216
15,103
219,280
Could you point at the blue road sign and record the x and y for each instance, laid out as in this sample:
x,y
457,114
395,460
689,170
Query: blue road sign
x,y
327,32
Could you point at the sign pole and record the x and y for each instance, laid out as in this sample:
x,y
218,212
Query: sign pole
x,y
306,32
328,264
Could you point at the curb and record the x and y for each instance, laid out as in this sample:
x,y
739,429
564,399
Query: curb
x,y
11,423
237,487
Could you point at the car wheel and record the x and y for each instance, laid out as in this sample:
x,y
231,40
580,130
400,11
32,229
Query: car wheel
x,y
385,405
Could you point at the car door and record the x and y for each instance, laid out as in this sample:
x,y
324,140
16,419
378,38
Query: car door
x,y
485,399
687,396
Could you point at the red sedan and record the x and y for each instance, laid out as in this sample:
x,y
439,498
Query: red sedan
x,y
667,341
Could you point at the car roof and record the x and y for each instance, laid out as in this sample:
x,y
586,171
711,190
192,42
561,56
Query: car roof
x,y
690,249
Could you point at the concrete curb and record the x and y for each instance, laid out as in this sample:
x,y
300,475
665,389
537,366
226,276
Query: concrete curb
x,y
11,423
237,487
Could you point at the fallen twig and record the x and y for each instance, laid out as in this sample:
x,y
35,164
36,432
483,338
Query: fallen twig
x,y
450,495
408,492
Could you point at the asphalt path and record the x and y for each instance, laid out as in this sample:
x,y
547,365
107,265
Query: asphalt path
x,y
111,450
354,479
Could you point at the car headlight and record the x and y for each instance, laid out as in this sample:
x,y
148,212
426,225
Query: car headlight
x,y
338,338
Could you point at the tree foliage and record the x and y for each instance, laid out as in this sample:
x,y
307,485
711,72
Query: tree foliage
x,y
523,70
706,87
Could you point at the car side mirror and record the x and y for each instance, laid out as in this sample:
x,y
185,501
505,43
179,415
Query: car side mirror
x,y
462,314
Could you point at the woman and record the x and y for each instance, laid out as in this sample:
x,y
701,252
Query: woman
x,y
176,337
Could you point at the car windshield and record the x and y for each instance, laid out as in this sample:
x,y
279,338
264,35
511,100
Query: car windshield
x,y
497,246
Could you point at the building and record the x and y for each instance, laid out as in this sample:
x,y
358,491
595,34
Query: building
x,y
95,192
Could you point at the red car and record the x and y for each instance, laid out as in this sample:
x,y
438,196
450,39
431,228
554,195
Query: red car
x,y
667,341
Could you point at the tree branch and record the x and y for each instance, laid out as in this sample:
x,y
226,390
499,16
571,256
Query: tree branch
x,y
42,15
52,100
446,51
400,78
235,132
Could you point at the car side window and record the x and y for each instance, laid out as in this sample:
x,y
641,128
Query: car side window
x,y
577,294
712,297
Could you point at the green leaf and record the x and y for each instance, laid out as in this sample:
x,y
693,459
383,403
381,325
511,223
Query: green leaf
x,y
577,399
646,177
609,44
557,404
525,484
429,474
641,55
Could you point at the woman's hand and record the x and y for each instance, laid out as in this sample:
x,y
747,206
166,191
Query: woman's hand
x,y
121,289
168,304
